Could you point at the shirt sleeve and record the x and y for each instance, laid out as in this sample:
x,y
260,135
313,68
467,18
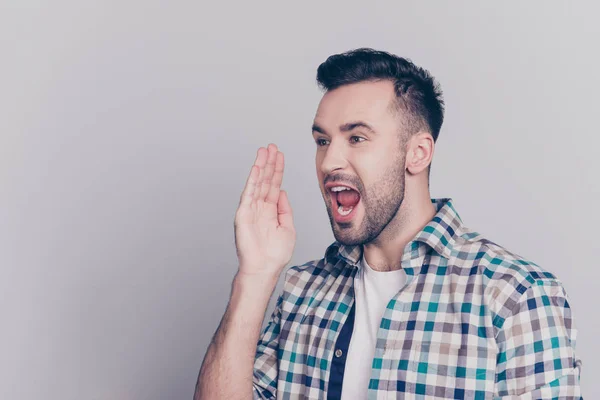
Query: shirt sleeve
x,y
536,355
266,362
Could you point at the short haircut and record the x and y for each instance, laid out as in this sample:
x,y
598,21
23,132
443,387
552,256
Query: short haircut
x,y
419,96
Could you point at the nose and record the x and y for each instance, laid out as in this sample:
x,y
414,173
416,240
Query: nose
x,y
334,158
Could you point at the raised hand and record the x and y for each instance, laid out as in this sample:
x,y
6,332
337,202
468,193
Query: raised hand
x,y
264,228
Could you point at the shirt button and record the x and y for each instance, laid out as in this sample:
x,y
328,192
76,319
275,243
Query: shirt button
x,y
338,353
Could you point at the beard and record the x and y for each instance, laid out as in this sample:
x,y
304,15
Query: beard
x,y
381,202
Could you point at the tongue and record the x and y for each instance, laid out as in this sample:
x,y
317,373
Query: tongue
x,y
348,198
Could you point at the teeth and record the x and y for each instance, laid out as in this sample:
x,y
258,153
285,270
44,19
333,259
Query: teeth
x,y
344,212
339,188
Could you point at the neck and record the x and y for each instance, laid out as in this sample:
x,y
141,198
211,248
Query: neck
x,y
386,251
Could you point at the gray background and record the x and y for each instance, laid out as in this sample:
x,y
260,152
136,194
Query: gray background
x,y
128,130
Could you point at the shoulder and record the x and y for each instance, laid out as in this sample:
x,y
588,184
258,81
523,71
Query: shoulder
x,y
497,263
316,275
311,273
506,276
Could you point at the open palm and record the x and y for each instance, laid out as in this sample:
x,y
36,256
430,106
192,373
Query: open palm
x,y
264,229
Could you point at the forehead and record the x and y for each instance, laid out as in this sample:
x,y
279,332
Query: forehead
x,y
369,101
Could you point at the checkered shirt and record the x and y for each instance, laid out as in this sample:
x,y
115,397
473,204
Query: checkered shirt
x,y
473,321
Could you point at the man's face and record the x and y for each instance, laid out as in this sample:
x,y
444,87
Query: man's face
x,y
357,133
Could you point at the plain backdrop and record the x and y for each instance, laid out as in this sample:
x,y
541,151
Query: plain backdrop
x,y
128,129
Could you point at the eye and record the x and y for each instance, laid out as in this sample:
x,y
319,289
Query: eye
x,y
353,139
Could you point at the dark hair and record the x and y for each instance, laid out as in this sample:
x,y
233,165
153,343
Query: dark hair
x,y
417,92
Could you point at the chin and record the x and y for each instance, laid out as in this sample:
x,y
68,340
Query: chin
x,y
350,242
348,238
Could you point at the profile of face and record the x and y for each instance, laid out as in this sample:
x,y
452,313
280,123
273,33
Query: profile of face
x,y
360,159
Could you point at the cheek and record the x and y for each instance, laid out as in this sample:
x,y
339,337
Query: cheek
x,y
376,169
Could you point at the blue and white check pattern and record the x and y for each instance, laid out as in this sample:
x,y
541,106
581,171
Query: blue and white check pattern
x,y
473,321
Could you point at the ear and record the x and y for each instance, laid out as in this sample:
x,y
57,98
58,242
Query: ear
x,y
419,152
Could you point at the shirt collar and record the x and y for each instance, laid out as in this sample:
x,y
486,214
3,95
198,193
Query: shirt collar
x,y
439,234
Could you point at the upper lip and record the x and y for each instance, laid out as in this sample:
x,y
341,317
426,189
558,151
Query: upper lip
x,y
334,184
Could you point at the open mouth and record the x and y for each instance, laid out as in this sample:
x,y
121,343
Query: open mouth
x,y
344,202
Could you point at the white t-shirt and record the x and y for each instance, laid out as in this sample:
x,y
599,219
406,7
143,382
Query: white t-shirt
x,y
372,292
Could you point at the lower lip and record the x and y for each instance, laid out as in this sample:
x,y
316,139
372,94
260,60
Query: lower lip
x,y
339,217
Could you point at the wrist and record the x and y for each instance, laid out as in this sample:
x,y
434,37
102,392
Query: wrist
x,y
250,294
258,281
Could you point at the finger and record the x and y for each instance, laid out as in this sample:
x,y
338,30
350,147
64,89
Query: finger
x,y
250,188
284,211
253,181
268,172
273,194
261,161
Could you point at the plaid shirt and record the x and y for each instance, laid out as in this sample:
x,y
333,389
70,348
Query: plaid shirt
x,y
473,321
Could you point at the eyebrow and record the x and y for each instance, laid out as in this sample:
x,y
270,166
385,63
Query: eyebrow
x,y
347,127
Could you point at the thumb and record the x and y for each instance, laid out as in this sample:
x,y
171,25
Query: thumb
x,y
284,210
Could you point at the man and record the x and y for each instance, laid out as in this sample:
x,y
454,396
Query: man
x,y
407,302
